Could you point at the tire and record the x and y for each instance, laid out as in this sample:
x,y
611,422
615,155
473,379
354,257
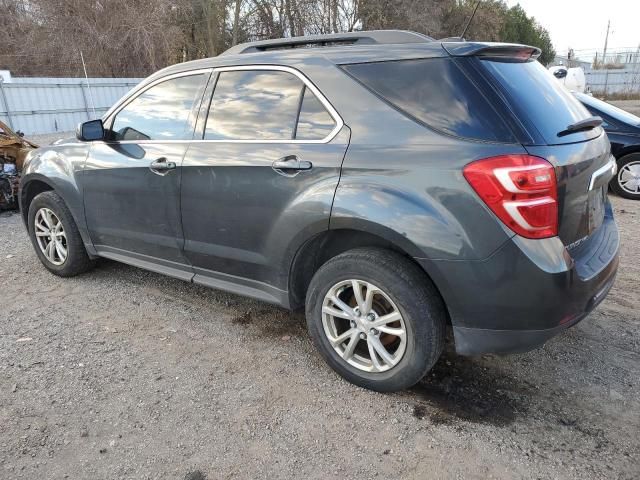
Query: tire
x,y
76,260
402,287
628,167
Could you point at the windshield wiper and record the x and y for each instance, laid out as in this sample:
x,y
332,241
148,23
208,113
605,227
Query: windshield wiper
x,y
581,126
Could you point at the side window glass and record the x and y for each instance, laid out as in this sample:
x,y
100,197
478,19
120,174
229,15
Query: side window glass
x,y
606,121
160,113
254,105
437,93
314,122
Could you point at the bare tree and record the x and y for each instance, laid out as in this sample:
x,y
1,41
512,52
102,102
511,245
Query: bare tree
x,y
137,37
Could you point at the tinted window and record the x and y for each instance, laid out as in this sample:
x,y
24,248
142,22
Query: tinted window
x,y
161,112
598,113
540,100
314,122
254,105
435,92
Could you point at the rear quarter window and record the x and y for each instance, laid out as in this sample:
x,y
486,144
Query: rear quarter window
x,y
436,93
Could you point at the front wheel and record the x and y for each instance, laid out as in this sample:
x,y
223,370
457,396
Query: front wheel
x,y
55,236
627,182
376,318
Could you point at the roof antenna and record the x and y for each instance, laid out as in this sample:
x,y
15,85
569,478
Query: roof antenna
x,y
466,27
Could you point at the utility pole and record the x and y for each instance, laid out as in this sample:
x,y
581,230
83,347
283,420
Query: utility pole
x,y
606,41
604,59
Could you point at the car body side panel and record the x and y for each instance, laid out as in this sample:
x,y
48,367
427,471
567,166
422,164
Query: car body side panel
x,y
61,167
404,178
623,143
130,208
417,192
243,219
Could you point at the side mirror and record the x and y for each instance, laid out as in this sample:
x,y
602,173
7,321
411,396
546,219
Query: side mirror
x,y
561,73
90,131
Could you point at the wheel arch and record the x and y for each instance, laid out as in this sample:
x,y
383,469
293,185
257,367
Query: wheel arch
x,y
320,248
628,150
34,184
29,189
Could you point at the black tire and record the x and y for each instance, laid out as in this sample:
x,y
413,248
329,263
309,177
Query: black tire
x,y
414,295
632,158
77,260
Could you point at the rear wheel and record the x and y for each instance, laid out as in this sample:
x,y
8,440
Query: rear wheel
x,y
376,319
627,182
55,236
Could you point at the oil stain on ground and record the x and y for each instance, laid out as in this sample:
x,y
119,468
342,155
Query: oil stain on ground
x,y
459,389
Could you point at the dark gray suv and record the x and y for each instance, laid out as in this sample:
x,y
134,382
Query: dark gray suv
x,y
389,183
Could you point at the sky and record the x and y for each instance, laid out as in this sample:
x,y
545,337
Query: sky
x,y
582,25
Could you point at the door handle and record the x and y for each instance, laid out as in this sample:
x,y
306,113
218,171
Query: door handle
x,y
290,164
161,166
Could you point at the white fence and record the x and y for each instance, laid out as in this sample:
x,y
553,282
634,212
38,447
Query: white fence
x,y
615,81
48,105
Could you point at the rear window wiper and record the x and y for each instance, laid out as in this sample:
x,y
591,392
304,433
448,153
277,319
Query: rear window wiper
x,y
581,126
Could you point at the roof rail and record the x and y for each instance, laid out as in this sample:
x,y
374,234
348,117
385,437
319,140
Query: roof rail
x,y
372,37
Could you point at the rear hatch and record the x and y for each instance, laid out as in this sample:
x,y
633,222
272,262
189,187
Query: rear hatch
x,y
551,123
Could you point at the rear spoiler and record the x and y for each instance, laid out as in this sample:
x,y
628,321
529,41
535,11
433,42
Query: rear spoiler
x,y
502,51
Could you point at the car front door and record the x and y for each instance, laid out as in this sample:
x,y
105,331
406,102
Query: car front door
x,y
261,179
132,179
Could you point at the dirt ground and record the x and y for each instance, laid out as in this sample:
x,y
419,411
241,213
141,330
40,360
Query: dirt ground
x,y
122,373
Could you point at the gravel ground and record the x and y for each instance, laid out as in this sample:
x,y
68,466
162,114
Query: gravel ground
x,y
122,373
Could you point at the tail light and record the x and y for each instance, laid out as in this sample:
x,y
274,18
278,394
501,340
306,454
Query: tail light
x,y
521,190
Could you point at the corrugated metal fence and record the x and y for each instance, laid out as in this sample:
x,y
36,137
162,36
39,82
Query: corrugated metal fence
x,y
48,105
615,81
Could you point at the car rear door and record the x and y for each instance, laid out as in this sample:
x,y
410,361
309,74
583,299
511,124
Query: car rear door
x,y
261,179
132,179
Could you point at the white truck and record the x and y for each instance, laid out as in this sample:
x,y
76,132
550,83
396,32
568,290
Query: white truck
x,y
572,78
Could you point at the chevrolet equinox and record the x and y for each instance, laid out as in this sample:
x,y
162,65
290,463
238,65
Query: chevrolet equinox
x,y
389,183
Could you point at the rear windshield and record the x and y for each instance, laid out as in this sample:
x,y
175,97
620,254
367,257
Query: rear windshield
x,y
436,93
539,100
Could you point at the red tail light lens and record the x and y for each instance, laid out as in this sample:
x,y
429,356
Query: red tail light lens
x,y
521,190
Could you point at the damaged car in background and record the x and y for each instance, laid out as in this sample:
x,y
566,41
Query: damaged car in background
x,y
13,150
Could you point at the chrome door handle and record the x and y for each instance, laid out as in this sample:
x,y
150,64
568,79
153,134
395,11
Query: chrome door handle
x,y
161,166
291,163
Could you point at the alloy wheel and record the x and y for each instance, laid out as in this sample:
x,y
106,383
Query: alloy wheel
x,y
50,236
364,326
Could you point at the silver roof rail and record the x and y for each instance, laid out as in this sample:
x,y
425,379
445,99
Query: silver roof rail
x,y
373,37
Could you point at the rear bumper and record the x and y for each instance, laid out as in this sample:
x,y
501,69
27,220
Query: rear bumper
x,y
476,341
526,292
